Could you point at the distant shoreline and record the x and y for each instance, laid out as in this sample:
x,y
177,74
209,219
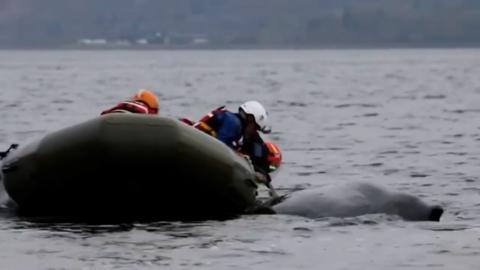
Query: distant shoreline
x,y
107,47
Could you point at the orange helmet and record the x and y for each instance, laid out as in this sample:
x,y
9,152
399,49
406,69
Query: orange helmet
x,y
147,97
274,155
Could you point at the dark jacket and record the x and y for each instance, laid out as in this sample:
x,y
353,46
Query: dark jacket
x,y
257,151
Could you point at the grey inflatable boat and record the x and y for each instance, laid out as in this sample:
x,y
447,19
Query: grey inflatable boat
x,y
129,166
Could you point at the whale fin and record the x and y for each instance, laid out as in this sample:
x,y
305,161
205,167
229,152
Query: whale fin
x,y
435,213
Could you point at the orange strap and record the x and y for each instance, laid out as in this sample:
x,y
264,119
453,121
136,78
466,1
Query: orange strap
x,y
205,128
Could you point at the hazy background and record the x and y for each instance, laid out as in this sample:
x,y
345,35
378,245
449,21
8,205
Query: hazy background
x,y
225,23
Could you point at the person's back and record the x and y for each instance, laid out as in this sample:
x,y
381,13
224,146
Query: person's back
x,y
143,102
228,128
223,125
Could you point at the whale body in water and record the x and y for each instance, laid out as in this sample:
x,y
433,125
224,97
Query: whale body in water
x,y
356,199
4,199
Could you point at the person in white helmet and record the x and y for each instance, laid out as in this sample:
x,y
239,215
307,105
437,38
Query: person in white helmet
x,y
231,127
240,131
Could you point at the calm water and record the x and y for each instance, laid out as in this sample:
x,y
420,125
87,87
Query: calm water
x,y
405,119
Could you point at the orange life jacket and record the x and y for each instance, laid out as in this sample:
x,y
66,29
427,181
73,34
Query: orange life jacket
x,y
274,155
204,123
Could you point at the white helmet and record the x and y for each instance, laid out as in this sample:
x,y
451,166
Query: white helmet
x,y
258,112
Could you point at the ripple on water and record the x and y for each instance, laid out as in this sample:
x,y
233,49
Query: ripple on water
x,y
451,194
359,105
370,115
457,153
369,220
462,111
444,227
439,96
62,101
49,224
375,164
390,171
419,175
304,173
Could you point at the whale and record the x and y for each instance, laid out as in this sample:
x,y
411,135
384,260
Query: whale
x,y
356,199
4,198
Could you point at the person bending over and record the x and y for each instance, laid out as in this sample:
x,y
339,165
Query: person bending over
x,y
143,102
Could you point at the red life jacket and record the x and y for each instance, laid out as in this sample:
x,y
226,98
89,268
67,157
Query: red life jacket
x,y
187,121
129,107
210,115
204,125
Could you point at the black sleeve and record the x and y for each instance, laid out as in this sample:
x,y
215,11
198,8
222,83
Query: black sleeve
x,y
258,153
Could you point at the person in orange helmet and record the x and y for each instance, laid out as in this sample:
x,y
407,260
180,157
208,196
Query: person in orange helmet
x,y
143,102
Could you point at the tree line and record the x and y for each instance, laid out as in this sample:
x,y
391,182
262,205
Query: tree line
x,y
32,23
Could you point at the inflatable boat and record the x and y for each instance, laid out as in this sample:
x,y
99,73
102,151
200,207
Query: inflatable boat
x,y
129,166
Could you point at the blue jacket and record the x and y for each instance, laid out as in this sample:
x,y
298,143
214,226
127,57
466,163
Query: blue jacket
x,y
228,127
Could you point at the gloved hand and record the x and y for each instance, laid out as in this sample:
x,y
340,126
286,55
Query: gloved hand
x,y
261,178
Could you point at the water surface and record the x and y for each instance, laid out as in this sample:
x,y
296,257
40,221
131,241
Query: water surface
x,y
404,119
